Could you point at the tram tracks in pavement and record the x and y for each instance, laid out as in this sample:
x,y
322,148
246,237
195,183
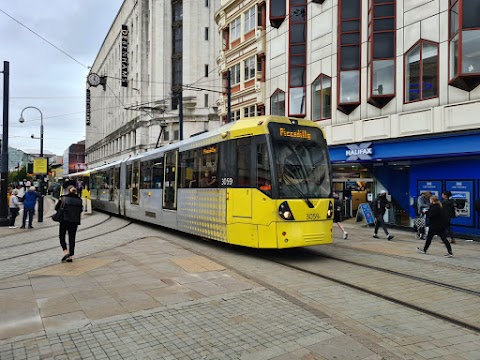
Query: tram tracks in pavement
x,y
24,254
81,229
384,284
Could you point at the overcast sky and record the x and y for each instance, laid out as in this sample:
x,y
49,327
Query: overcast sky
x,y
44,77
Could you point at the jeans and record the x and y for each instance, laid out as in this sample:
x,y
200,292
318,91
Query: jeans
x,y
30,213
380,222
442,234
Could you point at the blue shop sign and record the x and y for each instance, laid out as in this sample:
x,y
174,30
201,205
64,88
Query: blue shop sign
x,y
407,148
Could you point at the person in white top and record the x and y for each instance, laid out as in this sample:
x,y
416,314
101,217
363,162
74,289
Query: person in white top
x,y
14,206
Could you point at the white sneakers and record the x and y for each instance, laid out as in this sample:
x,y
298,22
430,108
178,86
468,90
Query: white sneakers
x,y
12,227
345,235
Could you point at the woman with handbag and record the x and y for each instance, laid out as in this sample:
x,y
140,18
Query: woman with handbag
x,y
71,207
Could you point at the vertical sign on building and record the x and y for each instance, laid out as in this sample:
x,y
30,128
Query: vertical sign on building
x,y
124,55
87,110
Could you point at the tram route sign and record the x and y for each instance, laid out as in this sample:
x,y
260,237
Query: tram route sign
x,y
365,213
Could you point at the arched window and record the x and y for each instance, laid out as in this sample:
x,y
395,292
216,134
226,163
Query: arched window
x,y
421,71
277,103
322,98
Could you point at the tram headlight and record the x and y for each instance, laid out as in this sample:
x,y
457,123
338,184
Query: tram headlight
x,y
330,210
285,212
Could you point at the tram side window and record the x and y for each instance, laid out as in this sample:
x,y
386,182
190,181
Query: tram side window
x,y
146,175
208,167
264,181
116,178
129,177
157,173
135,182
243,162
189,168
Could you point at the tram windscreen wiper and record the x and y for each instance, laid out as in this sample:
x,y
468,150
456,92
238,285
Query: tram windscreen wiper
x,y
299,192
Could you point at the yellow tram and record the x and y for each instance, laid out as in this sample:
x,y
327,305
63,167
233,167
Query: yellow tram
x,y
262,182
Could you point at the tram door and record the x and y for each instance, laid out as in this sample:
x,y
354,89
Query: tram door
x,y
170,181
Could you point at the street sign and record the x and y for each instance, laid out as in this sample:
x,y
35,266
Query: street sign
x,y
40,166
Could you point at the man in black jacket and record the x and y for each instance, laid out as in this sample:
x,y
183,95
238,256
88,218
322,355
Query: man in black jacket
x,y
380,206
448,208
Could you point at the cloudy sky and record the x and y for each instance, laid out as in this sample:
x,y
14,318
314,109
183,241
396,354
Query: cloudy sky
x,y
44,77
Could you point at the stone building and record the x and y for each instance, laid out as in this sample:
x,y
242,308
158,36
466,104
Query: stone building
x,y
156,55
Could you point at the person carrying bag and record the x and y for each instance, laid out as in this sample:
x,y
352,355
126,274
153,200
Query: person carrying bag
x,y
69,210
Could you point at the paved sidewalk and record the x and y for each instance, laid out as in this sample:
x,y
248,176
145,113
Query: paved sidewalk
x,y
153,299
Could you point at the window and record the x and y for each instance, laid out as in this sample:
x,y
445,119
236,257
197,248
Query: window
x,y
464,43
263,174
297,65
205,100
206,33
175,134
243,162
235,29
249,111
206,70
249,17
235,74
278,103
322,98
349,41
278,11
250,68
166,135
381,60
235,115
421,71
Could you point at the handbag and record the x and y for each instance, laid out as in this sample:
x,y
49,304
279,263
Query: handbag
x,y
58,216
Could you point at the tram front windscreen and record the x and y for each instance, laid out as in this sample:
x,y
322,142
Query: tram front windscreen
x,y
302,164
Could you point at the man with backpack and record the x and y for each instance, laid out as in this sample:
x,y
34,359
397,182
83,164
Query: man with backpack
x,y
448,208
380,206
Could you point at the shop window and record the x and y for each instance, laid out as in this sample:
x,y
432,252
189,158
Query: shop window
x,y
278,103
297,57
421,72
381,62
322,98
349,42
464,43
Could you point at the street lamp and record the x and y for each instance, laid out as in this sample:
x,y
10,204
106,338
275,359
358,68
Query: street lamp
x,y
22,120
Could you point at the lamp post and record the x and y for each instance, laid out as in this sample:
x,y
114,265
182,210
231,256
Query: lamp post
x,y
22,120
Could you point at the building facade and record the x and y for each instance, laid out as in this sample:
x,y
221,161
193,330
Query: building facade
x,y
394,84
154,79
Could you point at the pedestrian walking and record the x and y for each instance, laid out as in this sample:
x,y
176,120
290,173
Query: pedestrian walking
x,y
448,207
380,206
336,214
72,210
436,216
14,208
29,201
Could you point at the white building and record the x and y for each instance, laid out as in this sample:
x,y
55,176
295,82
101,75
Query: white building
x,y
394,83
154,51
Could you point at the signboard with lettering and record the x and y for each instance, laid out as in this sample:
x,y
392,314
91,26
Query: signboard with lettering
x,y
87,109
40,166
363,151
124,57
434,186
364,212
462,194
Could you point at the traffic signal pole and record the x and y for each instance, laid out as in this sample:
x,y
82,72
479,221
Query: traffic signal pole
x,y
4,177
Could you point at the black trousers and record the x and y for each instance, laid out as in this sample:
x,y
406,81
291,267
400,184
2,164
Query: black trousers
x,y
380,222
443,236
71,228
13,215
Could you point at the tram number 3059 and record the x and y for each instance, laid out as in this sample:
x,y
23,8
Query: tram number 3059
x,y
313,216
227,181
